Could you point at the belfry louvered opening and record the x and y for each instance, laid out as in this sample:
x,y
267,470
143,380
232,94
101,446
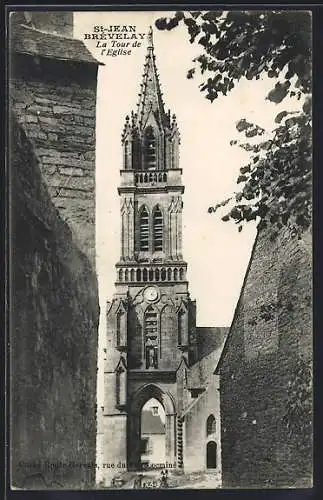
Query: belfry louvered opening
x,y
144,230
158,229
150,158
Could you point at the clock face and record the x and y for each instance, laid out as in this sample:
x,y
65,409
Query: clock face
x,y
151,293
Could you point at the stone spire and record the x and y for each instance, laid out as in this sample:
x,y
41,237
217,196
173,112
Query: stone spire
x,y
150,136
150,97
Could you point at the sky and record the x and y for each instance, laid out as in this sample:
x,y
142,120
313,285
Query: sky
x,y
217,254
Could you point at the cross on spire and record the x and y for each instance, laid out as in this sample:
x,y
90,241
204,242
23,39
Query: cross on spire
x,y
150,38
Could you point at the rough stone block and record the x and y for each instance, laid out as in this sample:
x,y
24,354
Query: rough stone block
x,y
265,346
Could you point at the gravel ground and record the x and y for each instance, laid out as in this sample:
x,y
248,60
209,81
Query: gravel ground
x,y
151,479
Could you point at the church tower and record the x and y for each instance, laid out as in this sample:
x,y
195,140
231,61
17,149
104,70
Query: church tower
x,y
151,325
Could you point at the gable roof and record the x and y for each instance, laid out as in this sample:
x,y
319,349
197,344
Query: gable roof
x,y
210,338
30,41
210,347
151,424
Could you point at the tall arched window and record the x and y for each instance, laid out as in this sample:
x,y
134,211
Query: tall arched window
x,y
210,425
150,158
144,230
157,229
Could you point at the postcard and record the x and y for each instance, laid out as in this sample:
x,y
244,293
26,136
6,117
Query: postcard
x,y
160,249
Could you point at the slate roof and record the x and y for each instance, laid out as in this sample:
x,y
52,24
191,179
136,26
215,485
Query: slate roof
x,y
210,338
28,40
211,344
151,424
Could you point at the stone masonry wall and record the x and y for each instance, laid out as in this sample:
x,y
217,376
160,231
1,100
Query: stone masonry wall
x,y
54,316
55,102
269,346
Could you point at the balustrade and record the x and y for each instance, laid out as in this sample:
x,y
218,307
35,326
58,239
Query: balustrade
x,y
150,177
155,274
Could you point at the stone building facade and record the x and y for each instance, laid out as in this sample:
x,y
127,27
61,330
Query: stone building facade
x,y
53,301
265,369
53,83
153,343
152,438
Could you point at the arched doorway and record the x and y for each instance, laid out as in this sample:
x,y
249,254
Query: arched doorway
x,y
139,402
211,450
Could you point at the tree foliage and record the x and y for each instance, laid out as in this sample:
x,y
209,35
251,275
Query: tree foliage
x,y
276,183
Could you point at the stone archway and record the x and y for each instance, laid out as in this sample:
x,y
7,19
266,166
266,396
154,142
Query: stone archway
x,y
138,400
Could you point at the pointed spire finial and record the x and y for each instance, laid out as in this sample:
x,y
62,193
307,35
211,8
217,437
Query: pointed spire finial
x,y
150,38
150,96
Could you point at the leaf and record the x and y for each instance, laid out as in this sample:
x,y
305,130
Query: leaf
x,y
251,133
241,178
195,14
166,23
242,125
190,73
280,116
212,16
179,15
291,122
161,23
266,145
279,92
203,41
271,73
235,213
211,29
247,44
